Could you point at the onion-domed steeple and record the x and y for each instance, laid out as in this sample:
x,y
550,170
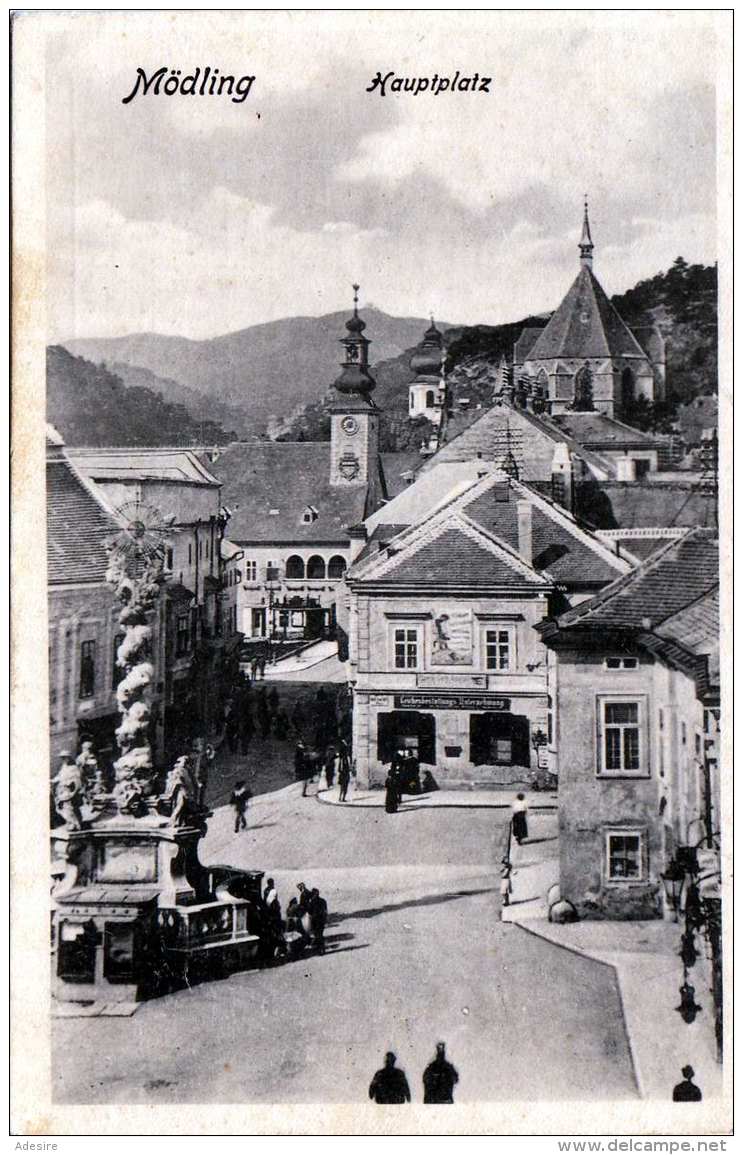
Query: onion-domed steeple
x,y
355,376
426,361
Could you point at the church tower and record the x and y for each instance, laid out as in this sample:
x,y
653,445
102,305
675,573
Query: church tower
x,y
354,418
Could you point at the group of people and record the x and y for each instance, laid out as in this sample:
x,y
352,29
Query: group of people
x,y
390,1084
305,921
334,764
405,778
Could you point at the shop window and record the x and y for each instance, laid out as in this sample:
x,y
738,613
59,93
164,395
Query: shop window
x,y
499,739
620,737
336,566
117,672
87,669
119,952
409,729
295,567
621,663
624,855
76,951
498,649
182,635
406,643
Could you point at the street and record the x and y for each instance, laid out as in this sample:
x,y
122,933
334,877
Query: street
x,y
416,953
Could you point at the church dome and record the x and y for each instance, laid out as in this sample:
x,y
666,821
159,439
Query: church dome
x,y
426,361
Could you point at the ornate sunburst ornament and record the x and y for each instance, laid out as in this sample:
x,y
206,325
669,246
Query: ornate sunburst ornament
x,y
142,533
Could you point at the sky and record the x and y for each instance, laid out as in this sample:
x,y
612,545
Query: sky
x,y
198,216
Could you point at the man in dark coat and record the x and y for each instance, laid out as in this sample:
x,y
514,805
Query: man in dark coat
x,y
687,1092
439,1078
389,1084
318,909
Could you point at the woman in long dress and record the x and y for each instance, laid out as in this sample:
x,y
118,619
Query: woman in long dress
x,y
519,826
391,797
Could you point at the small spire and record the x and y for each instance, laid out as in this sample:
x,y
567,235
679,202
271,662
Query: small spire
x,y
355,299
586,244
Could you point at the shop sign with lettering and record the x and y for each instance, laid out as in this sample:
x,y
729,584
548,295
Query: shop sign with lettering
x,y
414,700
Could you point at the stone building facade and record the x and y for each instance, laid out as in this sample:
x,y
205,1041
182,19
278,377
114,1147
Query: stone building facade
x,y
634,680
444,657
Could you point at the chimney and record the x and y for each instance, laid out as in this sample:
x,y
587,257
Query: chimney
x,y
562,477
523,514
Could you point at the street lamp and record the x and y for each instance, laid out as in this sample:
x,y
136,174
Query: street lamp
x,y
673,884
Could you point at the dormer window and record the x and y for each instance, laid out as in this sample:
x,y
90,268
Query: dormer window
x,y
309,515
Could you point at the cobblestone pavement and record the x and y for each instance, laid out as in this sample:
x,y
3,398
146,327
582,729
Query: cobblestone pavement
x,y
416,953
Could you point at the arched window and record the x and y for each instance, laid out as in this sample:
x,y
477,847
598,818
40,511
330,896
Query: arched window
x,y
430,399
628,392
583,388
316,567
336,566
294,567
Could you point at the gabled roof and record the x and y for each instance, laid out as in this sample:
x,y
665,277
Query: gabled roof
x,y
525,342
585,324
77,526
669,581
450,551
285,477
561,550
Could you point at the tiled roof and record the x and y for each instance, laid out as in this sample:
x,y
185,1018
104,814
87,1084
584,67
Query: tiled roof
x,y
556,548
287,477
686,570
696,627
596,429
453,559
77,526
649,503
585,324
525,343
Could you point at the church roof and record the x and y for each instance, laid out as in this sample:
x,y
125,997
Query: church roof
x,y
599,431
267,486
76,526
585,324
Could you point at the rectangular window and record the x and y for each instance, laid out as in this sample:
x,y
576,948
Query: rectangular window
x,y
406,648
621,663
87,669
624,856
190,553
182,636
498,649
116,672
169,558
683,733
251,571
621,749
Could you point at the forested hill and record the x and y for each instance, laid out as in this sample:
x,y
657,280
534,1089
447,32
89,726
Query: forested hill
x,y
682,301
91,406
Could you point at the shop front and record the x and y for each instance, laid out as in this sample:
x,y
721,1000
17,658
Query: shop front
x,y
465,739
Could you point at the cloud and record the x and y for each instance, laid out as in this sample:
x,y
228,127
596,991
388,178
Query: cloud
x,y
196,216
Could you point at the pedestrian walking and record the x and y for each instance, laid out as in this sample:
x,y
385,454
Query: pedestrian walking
x,y
687,1092
254,667
439,1078
202,781
391,796
281,725
301,766
299,718
262,666
389,1084
505,882
247,730
264,717
239,799
519,825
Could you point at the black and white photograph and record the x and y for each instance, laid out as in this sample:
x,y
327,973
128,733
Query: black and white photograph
x,y
371,718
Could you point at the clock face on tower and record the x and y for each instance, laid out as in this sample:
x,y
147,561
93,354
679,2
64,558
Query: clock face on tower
x,y
349,425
